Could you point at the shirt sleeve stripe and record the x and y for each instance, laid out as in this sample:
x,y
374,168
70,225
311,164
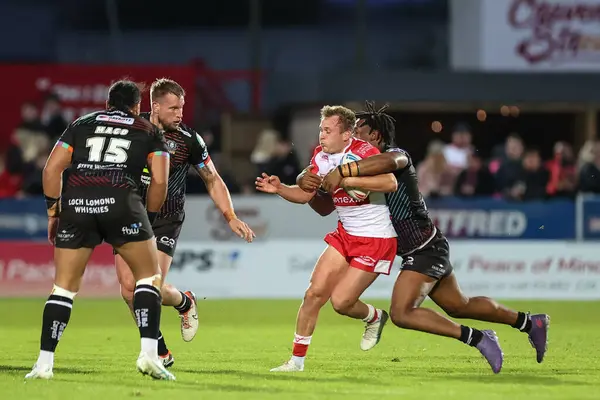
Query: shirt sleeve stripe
x,y
64,146
160,154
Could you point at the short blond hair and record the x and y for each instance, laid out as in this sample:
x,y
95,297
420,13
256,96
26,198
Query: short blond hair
x,y
164,86
347,116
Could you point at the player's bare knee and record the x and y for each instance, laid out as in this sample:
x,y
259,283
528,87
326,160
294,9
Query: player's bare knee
x,y
342,305
315,297
402,317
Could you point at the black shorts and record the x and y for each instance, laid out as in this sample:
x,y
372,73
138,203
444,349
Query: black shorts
x,y
432,260
90,215
167,232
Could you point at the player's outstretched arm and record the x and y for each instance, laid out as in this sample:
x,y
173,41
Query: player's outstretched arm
x,y
384,183
272,184
383,163
219,193
374,165
158,162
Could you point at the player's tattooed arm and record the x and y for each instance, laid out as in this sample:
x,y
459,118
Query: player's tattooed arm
x,y
220,195
207,172
215,185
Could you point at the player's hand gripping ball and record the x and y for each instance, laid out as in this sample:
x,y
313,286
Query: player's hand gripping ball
x,y
355,193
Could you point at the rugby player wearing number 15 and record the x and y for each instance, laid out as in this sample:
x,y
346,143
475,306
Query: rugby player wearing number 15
x,y
105,152
187,149
426,268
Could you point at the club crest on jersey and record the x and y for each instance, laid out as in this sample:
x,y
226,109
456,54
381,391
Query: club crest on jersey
x,y
171,146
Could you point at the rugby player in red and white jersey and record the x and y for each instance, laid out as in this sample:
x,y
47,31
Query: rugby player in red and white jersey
x,y
426,269
362,247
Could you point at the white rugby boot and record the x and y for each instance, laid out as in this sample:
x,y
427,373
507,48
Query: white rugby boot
x,y
373,332
289,366
43,371
153,367
189,319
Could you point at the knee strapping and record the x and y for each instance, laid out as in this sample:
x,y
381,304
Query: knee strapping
x,y
58,291
155,280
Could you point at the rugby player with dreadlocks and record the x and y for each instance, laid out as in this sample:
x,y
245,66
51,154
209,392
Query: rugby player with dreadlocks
x,y
426,267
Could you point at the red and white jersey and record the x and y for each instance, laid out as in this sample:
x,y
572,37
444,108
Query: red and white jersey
x,y
367,218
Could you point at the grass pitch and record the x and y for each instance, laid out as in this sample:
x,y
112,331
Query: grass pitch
x,y
240,340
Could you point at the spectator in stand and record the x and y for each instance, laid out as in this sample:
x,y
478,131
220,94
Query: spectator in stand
x,y
9,183
264,149
32,178
586,154
509,166
24,151
284,162
276,156
457,152
21,148
52,117
532,180
476,180
589,176
209,140
30,118
434,175
563,172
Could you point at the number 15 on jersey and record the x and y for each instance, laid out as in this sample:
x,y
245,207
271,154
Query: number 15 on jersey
x,y
114,152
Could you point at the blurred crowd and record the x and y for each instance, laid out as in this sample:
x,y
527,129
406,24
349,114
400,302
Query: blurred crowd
x,y
513,172
25,154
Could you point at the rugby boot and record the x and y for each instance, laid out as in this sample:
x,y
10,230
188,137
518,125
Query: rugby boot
x,y
189,319
289,366
40,372
538,335
373,331
153,367
491,350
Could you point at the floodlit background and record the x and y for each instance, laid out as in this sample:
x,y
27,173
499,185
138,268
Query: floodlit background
x,y
496,100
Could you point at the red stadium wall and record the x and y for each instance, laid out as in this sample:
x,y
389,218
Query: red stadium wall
x,y
81,88
27,270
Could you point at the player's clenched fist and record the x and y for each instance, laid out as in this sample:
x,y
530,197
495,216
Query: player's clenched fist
x,y
332,181
308,181
268,183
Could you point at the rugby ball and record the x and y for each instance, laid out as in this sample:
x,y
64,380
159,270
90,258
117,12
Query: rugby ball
x,y
355,193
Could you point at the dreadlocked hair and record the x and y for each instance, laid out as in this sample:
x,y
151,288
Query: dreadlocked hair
x,y
380,121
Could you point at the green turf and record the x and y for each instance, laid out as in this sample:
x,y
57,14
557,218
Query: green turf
x,y
239,341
